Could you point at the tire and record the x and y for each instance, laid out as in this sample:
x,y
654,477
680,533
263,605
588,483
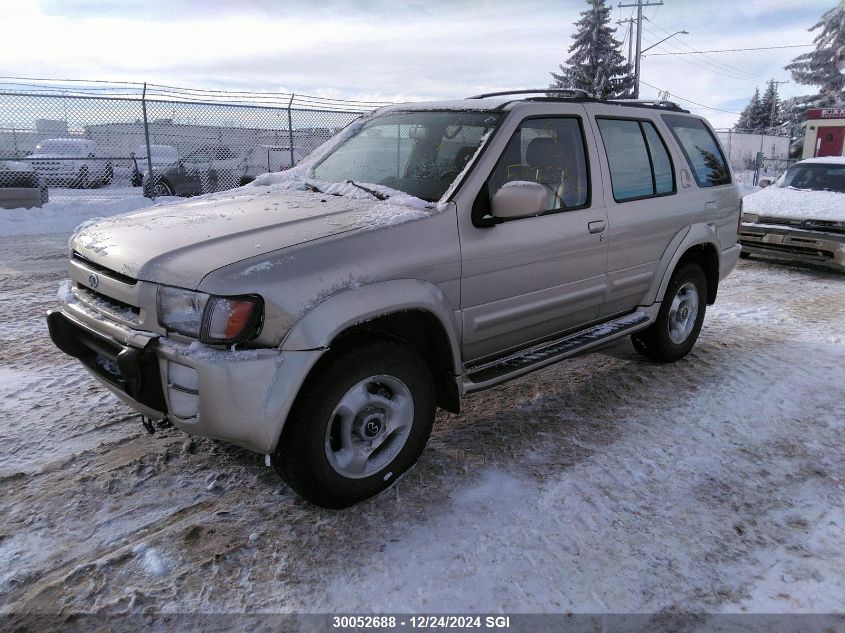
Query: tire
x,y
381,393
108,174
82,179
161,189
679,320
744,255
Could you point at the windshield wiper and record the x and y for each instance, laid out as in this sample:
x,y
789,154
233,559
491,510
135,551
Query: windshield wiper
x,y
372,192
311,187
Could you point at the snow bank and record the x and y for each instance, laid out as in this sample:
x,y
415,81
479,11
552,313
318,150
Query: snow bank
x,y
63,216
785,202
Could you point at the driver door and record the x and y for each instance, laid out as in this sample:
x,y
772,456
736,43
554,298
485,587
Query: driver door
x,y
530,279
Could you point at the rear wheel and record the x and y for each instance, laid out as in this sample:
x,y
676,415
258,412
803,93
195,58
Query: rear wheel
x,y
679,320
161,189
361,422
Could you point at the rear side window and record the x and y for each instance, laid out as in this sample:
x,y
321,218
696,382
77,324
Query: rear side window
x,y
640,166
700,149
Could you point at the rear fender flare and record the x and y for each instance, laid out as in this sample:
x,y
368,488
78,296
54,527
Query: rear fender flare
x,y
696,235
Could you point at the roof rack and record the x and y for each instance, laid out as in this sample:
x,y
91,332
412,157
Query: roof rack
x,y
649,103
571,92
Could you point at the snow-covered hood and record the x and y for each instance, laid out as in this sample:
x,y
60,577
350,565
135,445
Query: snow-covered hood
x,y
179,244
796,204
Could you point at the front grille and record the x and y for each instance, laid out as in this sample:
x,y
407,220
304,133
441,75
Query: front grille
x,y
813,225
764,219
789,249
828,226
105,272
100,302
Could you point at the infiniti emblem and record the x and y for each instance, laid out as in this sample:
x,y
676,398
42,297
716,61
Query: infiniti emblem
x,y
93,280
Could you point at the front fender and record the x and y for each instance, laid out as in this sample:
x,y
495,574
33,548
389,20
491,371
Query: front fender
x,y
320,324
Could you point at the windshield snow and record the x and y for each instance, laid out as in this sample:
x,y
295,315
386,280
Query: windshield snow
x,y
817,177
420,153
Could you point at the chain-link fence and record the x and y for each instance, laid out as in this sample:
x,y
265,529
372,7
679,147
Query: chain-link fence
x,y
753,155
95,140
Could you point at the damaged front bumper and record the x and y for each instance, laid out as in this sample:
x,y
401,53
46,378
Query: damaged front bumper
x,y
240,396
794,244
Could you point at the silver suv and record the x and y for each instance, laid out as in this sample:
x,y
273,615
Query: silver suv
x,y
428,251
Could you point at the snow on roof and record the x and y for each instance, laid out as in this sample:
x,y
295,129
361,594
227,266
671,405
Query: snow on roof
x,y
461,104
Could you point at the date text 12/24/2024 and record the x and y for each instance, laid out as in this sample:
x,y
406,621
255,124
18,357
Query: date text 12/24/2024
x,y
421,622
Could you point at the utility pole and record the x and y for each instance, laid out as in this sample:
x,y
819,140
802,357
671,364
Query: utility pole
x,y
639,5
630,23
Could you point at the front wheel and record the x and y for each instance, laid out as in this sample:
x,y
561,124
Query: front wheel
x,y
108,174
362,421
82,179
679,320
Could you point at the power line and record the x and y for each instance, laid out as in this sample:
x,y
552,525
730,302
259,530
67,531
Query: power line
x,y
713,60
674,96
733,50
714,69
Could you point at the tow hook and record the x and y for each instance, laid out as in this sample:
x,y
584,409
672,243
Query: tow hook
x,y
148,424
151,425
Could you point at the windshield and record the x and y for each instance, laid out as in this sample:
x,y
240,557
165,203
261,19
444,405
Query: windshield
x,y
420,153
159,153
818,177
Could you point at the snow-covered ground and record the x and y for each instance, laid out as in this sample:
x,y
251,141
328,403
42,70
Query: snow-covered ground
x,y
605,484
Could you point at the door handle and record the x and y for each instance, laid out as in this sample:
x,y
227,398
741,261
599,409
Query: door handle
x,y
596,226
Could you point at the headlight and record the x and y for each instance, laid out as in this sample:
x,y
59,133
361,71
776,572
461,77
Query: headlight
x,y
751,218
209,318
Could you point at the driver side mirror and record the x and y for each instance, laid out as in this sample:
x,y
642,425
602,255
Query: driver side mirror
x,y
764,182
519,199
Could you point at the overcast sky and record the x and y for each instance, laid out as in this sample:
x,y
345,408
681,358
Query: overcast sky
x,y
379,50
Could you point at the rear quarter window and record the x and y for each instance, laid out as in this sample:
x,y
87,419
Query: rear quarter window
x,y
702,151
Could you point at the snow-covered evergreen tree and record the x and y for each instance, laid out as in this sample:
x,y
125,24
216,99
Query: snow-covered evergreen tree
x,y
793,114
770,115
824,66
595,63
751,118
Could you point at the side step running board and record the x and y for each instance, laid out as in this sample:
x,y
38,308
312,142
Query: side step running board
x,y
524,361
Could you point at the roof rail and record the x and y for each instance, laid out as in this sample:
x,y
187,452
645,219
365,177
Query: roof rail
x,y
572,92
653,103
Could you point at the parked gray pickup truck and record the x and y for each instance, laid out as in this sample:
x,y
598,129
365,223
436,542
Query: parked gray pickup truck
x,y
428,251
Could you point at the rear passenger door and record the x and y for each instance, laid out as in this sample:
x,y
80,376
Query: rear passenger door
x,y
643,208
